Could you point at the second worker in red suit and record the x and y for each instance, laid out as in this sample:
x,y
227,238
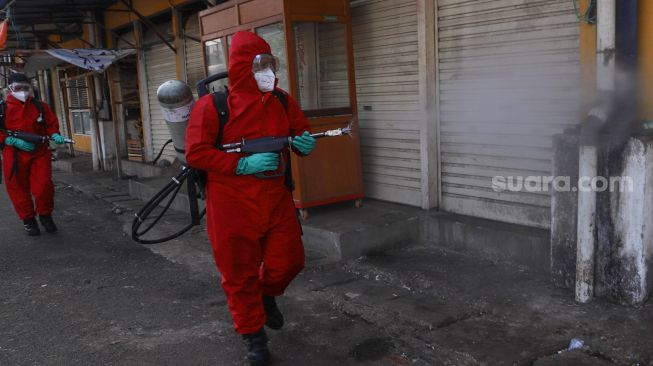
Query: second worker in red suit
x,y
27,166
251,221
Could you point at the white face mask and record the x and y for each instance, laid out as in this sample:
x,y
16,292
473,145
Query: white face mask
x,y
21,95
265,80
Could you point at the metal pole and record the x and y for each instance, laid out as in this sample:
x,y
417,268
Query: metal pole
x,y
98,156
66,113
605,82
110,77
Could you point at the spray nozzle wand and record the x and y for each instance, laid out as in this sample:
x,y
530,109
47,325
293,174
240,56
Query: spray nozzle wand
x,y
333,133
276,144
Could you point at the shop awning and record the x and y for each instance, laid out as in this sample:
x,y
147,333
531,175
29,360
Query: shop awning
x,y
90,59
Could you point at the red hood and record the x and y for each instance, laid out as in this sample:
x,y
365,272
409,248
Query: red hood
x,y
242,50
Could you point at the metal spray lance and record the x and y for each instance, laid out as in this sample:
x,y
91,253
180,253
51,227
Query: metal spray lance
x,y
277,144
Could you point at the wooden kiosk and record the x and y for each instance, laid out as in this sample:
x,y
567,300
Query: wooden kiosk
x,y
313,41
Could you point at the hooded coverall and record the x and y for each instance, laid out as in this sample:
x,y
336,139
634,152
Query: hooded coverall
x,y
33,176
251,222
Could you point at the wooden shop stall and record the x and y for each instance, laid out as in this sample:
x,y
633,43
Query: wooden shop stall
x,y
313,41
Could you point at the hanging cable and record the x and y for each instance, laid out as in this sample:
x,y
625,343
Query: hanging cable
x,y
21,41
161,152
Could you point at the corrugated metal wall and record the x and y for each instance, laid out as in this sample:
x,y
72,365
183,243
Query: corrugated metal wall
x,y
509,79
194,61
160,67
385,51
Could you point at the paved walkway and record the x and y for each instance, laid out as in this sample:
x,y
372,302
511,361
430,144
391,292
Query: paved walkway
x,y
89,295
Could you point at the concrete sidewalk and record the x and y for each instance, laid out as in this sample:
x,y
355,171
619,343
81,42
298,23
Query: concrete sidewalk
x,y
88,295
431,306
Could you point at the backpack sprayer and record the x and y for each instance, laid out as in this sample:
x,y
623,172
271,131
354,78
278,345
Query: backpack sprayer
x,y
176,102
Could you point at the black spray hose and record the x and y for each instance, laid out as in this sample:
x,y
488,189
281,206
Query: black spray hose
x,y
170,190
161,152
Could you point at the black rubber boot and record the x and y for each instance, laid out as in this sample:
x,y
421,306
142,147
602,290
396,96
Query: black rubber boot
x,y
257,348
274,316
32,227
48,224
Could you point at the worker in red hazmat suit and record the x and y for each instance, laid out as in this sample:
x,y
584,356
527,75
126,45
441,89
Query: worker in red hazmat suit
x,y
27,166
251,221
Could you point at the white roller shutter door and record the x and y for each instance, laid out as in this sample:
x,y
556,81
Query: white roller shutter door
x,y
508,72
160,67
385,51
194,61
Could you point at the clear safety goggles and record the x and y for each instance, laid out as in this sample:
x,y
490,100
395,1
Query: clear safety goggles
x,y
265,61
20,87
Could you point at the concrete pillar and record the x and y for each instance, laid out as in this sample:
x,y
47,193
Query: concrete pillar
x,y
564,211
108,142
605,84
624,249
428,85
625,226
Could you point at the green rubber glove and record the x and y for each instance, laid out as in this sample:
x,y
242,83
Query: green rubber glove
x,y
58,139
304,143
20,144
258,163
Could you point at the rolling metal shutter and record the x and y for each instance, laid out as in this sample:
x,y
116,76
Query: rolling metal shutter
x,y
194,61
508,72
159,67
386,57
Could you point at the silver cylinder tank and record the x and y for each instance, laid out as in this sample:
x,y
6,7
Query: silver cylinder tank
x,y
176,101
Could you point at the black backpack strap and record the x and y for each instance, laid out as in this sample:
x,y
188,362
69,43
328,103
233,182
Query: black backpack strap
x,y
3,117
3,112
221,107
39,107
282,98
14,165
288,173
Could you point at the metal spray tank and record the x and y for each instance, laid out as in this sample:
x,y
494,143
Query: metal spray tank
x,y
176,101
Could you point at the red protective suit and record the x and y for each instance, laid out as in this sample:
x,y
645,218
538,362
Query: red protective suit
x,y
252,223
34,174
